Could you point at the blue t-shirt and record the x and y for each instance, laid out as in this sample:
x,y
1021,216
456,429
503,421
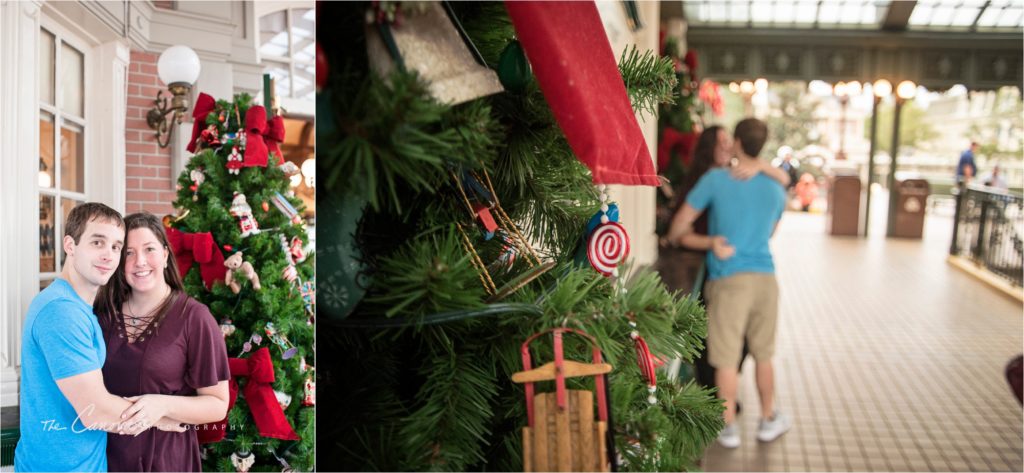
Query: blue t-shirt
x,y
745,213
62,338
966,159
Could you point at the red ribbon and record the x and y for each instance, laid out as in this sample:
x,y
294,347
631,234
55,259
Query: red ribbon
x,y
204,105
681,143
274,137
199,248
266,412
258,134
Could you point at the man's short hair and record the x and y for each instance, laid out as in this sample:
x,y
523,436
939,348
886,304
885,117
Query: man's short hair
x,y
752,135
82,214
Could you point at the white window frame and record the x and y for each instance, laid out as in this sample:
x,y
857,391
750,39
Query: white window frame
x,y
59,117
294,105
105,69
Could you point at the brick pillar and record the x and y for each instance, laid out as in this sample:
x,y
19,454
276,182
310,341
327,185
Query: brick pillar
x,y
149,185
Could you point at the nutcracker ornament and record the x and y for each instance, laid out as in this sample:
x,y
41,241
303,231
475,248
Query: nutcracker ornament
x,y
246,222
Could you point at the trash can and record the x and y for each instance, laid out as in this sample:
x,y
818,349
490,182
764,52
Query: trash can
x,y
911,199
844,205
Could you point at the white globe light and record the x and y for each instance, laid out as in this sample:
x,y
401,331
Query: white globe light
x,y
906,90
882,88
178,64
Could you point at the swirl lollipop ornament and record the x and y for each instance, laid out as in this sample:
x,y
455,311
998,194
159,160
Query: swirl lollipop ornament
x,y
608,244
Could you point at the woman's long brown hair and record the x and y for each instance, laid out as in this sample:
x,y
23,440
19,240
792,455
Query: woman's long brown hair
x,y
113,295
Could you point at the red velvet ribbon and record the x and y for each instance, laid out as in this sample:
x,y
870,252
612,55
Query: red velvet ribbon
x,y
204,105
274,137
576,69
190,248
672,140
262,137
266,412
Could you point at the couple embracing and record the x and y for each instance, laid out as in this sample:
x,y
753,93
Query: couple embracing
x,y
118,363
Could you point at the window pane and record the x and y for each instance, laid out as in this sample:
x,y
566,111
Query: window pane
x,y
65,205
47,235
279,72
45,67
274,34
303,29
72,80
47,175
305,87
44,283
72,158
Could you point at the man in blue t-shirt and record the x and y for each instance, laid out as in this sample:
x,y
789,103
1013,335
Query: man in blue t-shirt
x,y
742,294
966,169
66,410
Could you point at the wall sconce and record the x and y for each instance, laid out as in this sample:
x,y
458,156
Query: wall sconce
x,y
178,67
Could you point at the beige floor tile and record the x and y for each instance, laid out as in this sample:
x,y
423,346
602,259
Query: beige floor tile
x,y
886,357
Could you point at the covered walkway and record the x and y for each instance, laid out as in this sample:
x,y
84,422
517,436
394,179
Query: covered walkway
x,y
888,359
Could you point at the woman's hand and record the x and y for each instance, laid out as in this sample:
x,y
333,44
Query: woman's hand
x,y
745,171
721,248
145,409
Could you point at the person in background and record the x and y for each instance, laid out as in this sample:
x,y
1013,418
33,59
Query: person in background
x,y
966,169
742,289
675,264
806,191
788,166
995,179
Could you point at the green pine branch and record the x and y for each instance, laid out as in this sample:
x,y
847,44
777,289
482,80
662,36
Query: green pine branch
x,y
650,80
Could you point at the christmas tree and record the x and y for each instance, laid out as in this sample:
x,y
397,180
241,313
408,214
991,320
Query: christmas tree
x,y
454,233
240,241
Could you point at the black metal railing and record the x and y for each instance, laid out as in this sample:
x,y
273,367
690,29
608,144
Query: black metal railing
x,y
987,229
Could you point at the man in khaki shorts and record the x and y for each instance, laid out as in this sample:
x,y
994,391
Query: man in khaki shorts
x,y
742,294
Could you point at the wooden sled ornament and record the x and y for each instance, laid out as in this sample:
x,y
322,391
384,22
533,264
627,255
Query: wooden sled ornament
x,y
561,432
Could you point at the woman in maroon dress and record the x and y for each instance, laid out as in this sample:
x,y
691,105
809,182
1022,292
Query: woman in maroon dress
x,y
165,352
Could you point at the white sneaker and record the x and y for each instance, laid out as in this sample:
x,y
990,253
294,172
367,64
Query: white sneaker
x,y
729,437
771,429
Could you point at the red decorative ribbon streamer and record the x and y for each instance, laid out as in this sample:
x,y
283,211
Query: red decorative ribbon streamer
x,y
204,105
576,69
681,143
199,248
266,412
646,361
257,132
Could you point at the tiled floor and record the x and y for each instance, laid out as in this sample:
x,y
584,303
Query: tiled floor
x,y
888,359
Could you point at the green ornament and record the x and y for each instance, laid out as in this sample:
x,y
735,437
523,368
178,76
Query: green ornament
x,y
513,68
341,277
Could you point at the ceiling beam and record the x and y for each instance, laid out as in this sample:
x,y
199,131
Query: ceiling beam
x,y
898,15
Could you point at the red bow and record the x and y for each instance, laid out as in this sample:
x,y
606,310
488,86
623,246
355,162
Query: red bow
x,y
274,137
204,105
266,412
199,248
256,131
672,140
